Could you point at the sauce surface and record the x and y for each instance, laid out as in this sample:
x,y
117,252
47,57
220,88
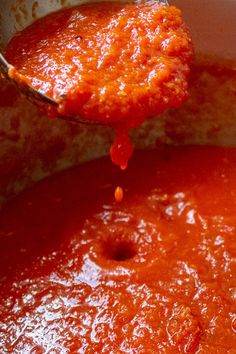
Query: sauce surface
x,y
109,63
155,273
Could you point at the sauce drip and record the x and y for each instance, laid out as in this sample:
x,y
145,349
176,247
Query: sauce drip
x,y
109,63
119,194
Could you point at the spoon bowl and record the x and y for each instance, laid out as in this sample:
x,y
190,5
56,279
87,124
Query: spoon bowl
x,y
17,15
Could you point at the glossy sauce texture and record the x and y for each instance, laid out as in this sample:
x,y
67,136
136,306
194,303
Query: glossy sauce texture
x,y
155,273
109,63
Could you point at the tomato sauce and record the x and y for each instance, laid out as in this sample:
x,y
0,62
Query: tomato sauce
x,y
108,63
155,273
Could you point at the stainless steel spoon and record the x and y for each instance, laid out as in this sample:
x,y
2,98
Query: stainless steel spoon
x,y
15,15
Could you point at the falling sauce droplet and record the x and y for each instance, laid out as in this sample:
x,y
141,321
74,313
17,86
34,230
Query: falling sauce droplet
x,y
119,194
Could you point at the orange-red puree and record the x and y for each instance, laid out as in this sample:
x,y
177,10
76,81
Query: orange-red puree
x,y
109,63
119,194
156,273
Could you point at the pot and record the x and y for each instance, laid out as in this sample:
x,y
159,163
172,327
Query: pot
x,y
32,146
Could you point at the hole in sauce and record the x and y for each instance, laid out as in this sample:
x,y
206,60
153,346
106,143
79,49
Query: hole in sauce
x,y
119,250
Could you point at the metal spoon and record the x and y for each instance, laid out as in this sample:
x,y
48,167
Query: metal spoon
x,y
17,15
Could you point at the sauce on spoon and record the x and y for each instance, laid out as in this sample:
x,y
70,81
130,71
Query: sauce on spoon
x,y
109,63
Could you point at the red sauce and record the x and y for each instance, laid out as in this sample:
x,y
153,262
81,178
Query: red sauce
x,y
156,273
109,63
119,194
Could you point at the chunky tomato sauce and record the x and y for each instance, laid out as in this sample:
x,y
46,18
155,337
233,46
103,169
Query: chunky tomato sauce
x,y
109,63
155,273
